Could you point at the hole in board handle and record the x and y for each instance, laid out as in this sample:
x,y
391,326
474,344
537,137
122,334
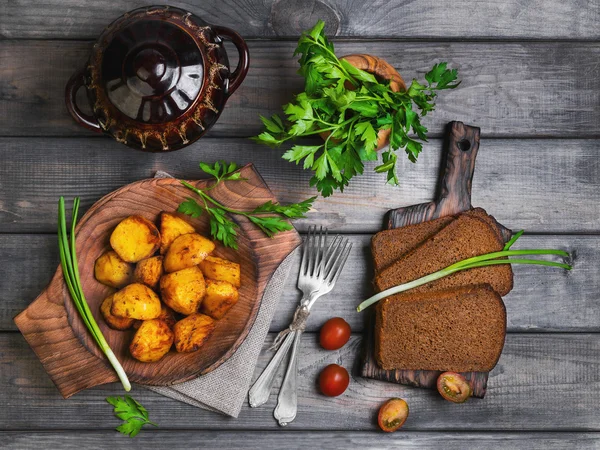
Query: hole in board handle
x,y
464,145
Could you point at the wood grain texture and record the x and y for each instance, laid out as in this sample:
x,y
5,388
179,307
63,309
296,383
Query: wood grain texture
x,y
508,89
534,371
275,440
55,331
531,174
75,19
454,196
543,299
456,178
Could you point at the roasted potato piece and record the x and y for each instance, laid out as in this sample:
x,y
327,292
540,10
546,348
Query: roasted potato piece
x,y
151,341
221,269
187,251
219,298
148,271
192,332
135,238
112,271
114,322
136,301
167,315
183,290
171,227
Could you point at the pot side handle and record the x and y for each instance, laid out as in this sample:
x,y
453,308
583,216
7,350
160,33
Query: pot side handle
x,y
73,85
238,75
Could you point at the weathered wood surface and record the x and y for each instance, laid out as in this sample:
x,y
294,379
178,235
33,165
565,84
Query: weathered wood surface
x,y
508,89
539,19
530,70
543,299
531,174
542,382
290,440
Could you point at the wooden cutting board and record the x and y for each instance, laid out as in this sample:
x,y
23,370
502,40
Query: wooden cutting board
x,y
56,333
453,197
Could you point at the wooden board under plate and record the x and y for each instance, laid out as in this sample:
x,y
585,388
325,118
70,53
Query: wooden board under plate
x,y
57,334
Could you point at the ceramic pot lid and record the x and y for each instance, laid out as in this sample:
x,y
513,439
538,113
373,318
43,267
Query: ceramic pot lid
x,y
151,71
158,78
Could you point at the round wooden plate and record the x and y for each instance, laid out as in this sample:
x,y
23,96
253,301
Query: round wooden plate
x,y
257,255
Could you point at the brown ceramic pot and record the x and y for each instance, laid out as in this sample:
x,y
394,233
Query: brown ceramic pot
x,y
383,70
157,78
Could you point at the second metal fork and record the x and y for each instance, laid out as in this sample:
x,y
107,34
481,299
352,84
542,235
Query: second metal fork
x,y
319,270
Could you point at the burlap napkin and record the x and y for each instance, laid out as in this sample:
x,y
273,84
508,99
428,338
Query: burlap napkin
x,y
225,388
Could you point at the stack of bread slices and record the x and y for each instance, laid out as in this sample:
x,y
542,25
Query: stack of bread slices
x,y
456,323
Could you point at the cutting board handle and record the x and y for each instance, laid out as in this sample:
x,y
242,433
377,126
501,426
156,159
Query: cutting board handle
x,y
454,194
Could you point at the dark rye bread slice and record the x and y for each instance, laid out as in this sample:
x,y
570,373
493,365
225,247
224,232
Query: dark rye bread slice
x,y
390,245
464,237
459,330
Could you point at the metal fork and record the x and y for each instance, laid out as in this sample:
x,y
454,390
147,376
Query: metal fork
x,y
319,270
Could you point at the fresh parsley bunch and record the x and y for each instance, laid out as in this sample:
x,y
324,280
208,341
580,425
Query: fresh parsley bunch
x,y
270,217
351,117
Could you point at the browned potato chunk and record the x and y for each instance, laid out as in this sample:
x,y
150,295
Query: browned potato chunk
x,y
192,332
183,290
148,271
151,341
136,301
220,297
111,270
187,251
167,315
114,322
221,269
171,227
135,238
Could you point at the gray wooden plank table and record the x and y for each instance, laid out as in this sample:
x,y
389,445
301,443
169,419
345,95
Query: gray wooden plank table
x,y
531,81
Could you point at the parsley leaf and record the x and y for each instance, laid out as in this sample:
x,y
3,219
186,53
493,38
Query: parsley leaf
x,y
349,107
367,134
191,208
292,211
221,170
134,415
222,228
389,166
270,225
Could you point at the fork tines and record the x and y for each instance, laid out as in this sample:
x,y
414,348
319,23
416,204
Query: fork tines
x,y
321,261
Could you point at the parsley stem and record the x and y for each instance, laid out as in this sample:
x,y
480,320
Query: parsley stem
x,y
223,228
337,61
206,197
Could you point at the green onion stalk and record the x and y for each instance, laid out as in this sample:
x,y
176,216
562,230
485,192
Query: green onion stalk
x,y
488,259
68,261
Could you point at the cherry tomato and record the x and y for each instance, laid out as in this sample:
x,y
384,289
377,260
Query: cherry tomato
x,y
334,334
454,387
334,380
392,414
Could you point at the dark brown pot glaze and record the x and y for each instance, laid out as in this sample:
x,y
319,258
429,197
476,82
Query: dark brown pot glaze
x,y
157,78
